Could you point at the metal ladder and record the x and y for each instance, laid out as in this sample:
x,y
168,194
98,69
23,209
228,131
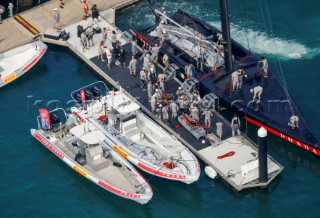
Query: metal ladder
x,y
211,101
188,86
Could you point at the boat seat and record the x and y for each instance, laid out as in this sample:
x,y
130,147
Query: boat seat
x,y
95,158
127,126
72,144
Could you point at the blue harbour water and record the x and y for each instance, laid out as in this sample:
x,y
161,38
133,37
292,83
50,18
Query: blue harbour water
x,y
35,183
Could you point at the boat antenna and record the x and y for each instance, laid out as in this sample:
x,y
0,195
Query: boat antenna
x,y
225,26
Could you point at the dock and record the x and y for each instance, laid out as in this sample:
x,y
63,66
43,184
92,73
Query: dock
x,y
229,168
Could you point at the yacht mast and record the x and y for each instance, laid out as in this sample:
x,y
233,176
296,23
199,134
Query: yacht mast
x,y
225,26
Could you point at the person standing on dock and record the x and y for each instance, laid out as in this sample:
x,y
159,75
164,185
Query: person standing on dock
x,y
95,13
146,61
105,34
235,125
161,80
109,56
155,53
188,70
165,113
133,66
121,59
134,48
85,9
101,51
207,117
174,109
89,32
265,66
113,38
235,80
143,78
145,49
57,24
84,40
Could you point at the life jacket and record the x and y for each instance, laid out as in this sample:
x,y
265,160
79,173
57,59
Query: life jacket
x,y
85,6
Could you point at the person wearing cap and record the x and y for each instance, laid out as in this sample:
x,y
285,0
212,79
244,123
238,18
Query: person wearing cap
x,y
158,95
145,49
164,13
207,113
165,113
85,9
161,80
188,70
143,78
89,32
158,111
146,60
153,67
256,91
155,53
165,59
134,48
57,24
174,109
133,66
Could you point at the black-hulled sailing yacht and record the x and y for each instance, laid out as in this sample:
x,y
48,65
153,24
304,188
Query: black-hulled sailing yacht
x,y
276,111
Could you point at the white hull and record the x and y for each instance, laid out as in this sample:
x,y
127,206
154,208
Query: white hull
x,y
161,144
63,155
16,62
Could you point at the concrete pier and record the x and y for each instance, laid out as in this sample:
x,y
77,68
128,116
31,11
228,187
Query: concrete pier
x,y
13,34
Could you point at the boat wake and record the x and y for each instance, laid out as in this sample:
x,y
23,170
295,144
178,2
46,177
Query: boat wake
x,y
262,43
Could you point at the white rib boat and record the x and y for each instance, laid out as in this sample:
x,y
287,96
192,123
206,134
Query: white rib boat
x,y
83,148
138,138
16,62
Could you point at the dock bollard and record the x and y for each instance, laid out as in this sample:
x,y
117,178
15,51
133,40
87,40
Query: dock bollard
x,y
263,161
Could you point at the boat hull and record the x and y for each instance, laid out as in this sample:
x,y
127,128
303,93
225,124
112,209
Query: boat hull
x,y
139,198
11,65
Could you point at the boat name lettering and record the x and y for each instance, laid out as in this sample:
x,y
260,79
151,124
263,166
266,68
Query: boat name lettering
x,y
285,137
48,145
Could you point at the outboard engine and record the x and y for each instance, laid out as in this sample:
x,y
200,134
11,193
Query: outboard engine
x,y
96,92
77,96
55,121
88,94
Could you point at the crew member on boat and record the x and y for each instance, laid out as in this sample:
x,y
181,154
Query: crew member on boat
x,y
161,80
235,125
174,109
133,66
164,19
294,122
143,78
257,91
165,113
188,70
265,66
240,77
194,113
219,125
235,80
207,117
145,49
155,53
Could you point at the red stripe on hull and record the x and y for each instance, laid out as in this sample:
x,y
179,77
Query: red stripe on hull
x,y
117,191
159,173
285,137
31,63
48,145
